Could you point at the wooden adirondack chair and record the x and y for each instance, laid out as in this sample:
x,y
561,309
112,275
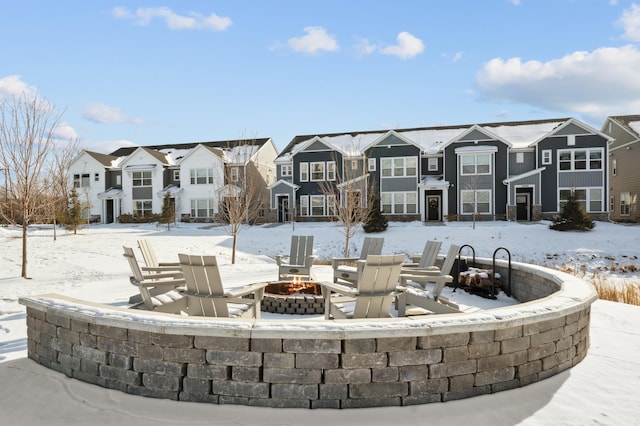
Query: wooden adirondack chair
x,y
413,287
300,258
426,260
206,295
374,294
157,292
347,268
151,261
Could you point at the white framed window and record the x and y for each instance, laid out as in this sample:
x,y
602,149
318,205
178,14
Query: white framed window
x,y
580,159
118,180
304,172
398,166
142,178
475,164
317,205
546,156
81,180
331,170
176,175
371,164
589,198
304,205
432,164
519,157
398,202
96,177
235,174
571,140
142,207
317,171
201,176
286,170
202,208
625,203
475,202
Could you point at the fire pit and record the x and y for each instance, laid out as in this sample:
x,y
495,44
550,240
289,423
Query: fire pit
x,y
293,297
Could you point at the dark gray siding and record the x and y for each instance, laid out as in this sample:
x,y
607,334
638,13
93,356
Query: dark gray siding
x,y
516,168
144,193
280,189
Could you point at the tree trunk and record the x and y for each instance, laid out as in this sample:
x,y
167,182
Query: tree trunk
x,y
233,249
346,245
24,250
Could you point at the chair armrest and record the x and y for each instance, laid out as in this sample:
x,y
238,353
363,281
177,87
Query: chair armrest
x,y
174,274
337,261
339,288
175,269
175,283
310,260
245,290
280,259
169,264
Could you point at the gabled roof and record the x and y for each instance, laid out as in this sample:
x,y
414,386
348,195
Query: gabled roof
x,y
156,155
125,151
391,133
104,159
631,123
572,121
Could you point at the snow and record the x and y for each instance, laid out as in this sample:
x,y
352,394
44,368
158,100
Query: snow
x,y
603,389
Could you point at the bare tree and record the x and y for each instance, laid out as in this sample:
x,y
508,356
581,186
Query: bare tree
x,y
61,157
26,138
244,194
350,200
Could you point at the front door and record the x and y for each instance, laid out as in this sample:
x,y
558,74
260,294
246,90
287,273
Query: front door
x,y
433,208
283,209
523,207
109,210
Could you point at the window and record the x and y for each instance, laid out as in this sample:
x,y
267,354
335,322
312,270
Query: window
x,y
286,170
476,164
235,174
331,170
118,180
202,208
332,207
142,207
304,205
589,198
176,175
81,181
625,203
399,166
304,172
317,172
317,205
141,178
571,140
476,202
96,177
519,157
201,176
398,202
546,156
580,159
372,164
432,164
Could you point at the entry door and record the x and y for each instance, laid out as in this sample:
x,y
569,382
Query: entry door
x,y
523,206
109,211
283,209
433,207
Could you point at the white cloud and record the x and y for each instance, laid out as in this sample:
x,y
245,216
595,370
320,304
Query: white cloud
x,y
12,86
408,46
65,132
316,39
364,47
515,2
104,114
595,84
191,21
630,22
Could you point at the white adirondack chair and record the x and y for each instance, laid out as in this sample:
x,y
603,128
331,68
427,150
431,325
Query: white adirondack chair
x,y
157,292
206,295
300,259
414,292
426,260
151,260
372,297
346,268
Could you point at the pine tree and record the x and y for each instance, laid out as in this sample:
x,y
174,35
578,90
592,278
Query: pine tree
x,y
74,213
168,214
572,217
376,222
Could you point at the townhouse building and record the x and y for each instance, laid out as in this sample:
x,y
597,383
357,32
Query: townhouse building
x,y
521,171
136,180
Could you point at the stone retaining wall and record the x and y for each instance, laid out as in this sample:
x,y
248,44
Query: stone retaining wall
x,y
318,364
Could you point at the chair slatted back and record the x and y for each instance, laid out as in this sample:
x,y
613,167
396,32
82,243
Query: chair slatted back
x,y
148,254
205,292
447,265
301,249
137,277
371,245
429,254
376,286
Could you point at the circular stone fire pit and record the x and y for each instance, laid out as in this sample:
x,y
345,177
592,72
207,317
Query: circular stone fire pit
x,y
293,297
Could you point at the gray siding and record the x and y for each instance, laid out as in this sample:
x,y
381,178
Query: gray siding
x,y
280,189
580,179
516,168
531,181
571,129
144,193
398,184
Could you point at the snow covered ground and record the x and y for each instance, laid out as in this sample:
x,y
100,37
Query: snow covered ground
x,y
603,389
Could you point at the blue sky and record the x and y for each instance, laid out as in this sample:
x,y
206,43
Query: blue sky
x,y
134,73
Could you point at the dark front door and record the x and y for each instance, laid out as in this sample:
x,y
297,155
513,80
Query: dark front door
x,y
523,206
283,209
433,208
109,211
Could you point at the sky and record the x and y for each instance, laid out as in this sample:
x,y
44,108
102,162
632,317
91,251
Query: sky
x,y
601,390
126,73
